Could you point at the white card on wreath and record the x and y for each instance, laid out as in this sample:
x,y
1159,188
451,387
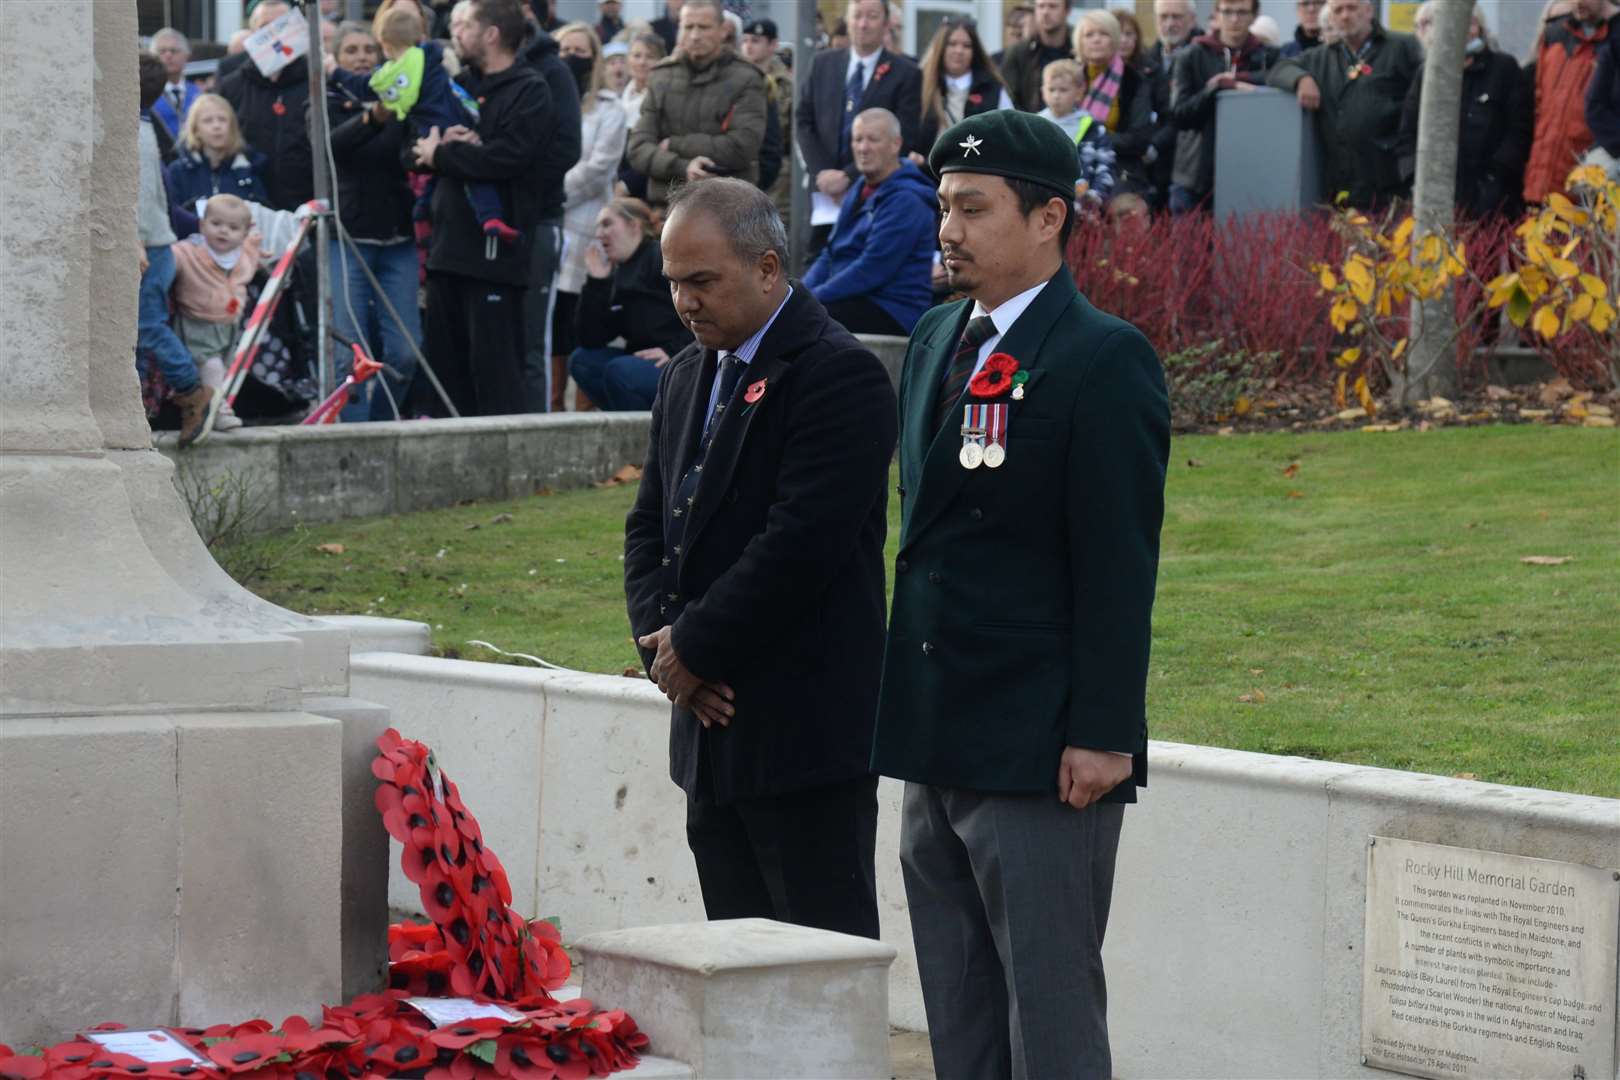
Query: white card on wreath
x,y
447,1011
149,1045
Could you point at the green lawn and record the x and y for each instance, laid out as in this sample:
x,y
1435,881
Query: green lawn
x,y
1371,607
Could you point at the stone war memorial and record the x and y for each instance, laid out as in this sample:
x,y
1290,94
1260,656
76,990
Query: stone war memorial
x,y
212,808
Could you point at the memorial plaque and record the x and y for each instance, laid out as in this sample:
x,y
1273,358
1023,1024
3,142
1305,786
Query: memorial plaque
x,y
1480,964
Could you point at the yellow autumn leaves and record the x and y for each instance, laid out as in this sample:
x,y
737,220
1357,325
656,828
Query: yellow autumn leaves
x,y
1550,291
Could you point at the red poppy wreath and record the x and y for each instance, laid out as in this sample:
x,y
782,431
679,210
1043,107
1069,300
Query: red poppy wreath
x,y
995,377
476,946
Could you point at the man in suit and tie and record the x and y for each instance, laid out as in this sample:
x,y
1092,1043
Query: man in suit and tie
x,y
171,47
753,570
846,82
1034,436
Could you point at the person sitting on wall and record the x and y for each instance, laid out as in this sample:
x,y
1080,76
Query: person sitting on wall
x,y
873,275
624,296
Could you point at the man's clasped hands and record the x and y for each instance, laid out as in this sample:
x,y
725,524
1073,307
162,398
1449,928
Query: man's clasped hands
x,y
711,701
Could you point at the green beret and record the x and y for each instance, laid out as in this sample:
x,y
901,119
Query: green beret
x,y
1010,143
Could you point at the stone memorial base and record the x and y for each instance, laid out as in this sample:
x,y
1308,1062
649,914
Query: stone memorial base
x,y
750,997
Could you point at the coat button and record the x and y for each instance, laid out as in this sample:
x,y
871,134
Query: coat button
x,y
901,566
976,514
902,490
928,648
934,579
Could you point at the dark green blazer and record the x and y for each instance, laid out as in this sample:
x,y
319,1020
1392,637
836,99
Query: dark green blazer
x,y
1023,594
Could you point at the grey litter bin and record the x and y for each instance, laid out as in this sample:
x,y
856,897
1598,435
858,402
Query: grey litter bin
x,y
1265,153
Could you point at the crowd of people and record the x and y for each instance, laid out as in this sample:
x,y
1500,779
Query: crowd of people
x,y
500,179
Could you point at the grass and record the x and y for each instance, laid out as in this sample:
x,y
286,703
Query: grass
x,y
1369,608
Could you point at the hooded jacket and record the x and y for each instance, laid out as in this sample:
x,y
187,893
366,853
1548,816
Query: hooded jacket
x,y
1192,102
882,247
515,105
1359,124
1603,97
715,111
191,177
1492,139
374,196
1564,69
271,114
560,139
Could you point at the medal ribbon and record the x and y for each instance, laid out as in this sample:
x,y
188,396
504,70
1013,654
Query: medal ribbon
x,y
998,425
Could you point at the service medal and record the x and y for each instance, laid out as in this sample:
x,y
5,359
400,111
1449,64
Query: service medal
x,y
974,418
971,456
995,448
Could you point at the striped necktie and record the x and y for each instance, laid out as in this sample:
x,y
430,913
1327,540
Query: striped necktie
x,y
966,359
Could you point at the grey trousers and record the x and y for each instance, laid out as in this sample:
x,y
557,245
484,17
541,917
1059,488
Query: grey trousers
x,y
539,300
1009,899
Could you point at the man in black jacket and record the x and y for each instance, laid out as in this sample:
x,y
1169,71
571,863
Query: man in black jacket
x,y
476,283
561,144
1048,40
271,111
1228,58
753,570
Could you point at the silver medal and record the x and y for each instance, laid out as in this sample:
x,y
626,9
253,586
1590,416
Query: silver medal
x,y
972,455
994,455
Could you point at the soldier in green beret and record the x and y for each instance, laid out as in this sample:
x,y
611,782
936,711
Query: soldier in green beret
x,y
1034,433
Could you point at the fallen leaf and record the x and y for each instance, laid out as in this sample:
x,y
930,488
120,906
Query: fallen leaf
x,y
1296,494
1381,427
470,528
632,673
1194,463
1292,470
1535,414
1575,411
1435,404
330,549
1465,776
1257,671
1225,431
1253,697
1546,560
500,519
1598,421
1597,409
1554,392
1350,414
1498,393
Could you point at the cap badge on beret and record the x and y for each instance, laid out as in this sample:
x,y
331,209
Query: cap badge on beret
x,y
970,145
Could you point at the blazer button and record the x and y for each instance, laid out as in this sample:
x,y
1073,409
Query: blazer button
x,y
902,490
934,579
976,514
928,648
901,566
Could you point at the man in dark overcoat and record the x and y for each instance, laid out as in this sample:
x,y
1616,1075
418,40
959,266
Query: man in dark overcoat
x,y
1034,435
753,569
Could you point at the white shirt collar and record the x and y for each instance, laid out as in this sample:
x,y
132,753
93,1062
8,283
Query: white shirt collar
x,y
865,63
175,87
1009,310
961,83
745,352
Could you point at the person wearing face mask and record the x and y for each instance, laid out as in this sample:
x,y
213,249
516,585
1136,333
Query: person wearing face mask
x,y
1565,65
213,158
1491,145
588,186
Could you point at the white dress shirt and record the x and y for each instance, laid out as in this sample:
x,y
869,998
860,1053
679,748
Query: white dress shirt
x,y
1004,316
865,63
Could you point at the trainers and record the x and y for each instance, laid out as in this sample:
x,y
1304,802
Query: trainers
x,y
196,405
226,420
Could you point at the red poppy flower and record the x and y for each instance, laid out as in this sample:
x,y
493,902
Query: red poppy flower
x,y
882,70
975,99
278,108
21,1067
467,1032
245,1054
995,377
755,392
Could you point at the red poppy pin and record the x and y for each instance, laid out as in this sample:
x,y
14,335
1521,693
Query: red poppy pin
x,y
1363,68
975,99
995,377
755,392
278,108
882,70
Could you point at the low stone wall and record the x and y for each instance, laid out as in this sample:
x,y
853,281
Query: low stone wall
x,y
1234,946
336,471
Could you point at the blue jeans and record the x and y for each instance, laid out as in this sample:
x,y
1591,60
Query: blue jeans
x,y
616,380
152,334
1183,201
396,271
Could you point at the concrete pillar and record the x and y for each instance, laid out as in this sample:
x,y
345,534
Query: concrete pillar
x,y
172,834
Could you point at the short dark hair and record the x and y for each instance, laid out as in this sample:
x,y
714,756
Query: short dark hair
x,y
746,213
506,16
153,78
1033,196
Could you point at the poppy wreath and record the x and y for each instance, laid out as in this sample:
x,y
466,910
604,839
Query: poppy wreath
x,y
995,377
476,946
